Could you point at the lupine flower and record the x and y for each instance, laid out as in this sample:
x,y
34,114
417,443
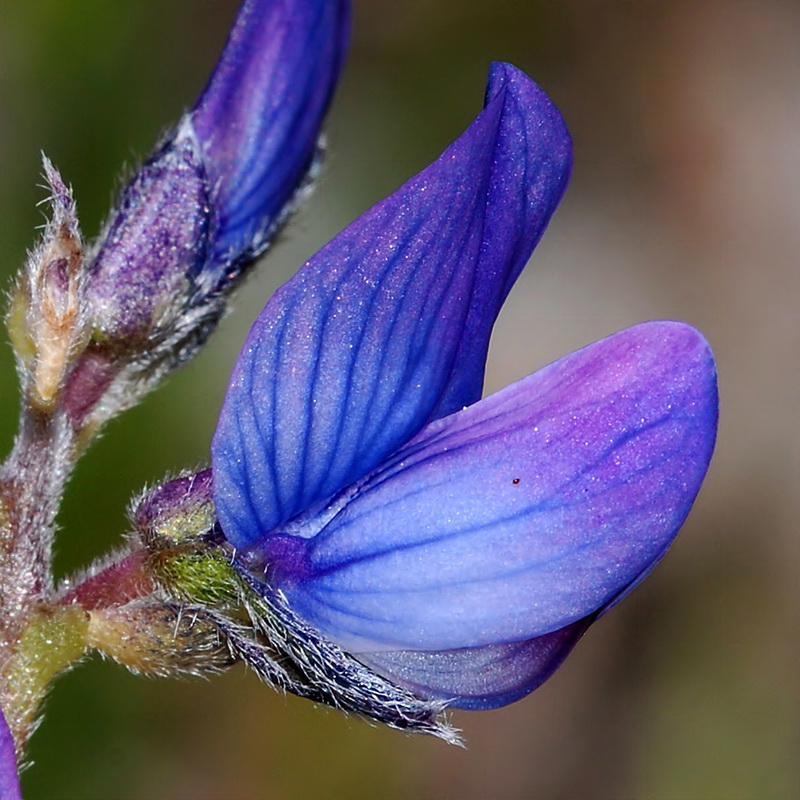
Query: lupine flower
x,y
208,202
457,547
9,781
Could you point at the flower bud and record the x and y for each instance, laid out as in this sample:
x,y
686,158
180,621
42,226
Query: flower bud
x,y
140,276
209,201
177,525
45,321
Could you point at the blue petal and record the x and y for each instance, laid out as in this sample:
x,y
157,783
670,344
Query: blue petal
x,y
9,779
479,678
258,120
518,516
386,328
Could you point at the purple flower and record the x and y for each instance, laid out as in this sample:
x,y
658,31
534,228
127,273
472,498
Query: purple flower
x,y
210,199
458,547
9,780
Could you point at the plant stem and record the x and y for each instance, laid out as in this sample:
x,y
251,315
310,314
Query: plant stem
x,y
54,639
37,640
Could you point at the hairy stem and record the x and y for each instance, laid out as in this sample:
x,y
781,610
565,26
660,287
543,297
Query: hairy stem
x,y
31,485
36,640
53,639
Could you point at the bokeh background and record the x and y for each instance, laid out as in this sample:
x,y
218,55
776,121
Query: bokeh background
x,y
685,203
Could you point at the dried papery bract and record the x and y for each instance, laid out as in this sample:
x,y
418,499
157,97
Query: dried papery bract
x,y
47,318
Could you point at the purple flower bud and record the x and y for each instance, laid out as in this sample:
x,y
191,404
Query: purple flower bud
x,y
211,197
9,779
156,240
258,120
459,548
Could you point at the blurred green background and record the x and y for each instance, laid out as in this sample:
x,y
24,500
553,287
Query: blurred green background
x,y
685,203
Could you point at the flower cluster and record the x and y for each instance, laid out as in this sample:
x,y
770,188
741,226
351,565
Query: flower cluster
x,y
371,533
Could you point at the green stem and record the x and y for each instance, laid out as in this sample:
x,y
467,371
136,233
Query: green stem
x,y
54,639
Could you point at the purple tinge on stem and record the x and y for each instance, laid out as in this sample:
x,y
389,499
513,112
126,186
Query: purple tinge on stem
x,y
9,779
209,200
387,327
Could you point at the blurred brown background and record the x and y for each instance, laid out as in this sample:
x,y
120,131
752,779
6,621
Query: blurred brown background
x,y
685,203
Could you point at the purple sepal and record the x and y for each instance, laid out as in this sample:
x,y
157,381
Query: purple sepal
x,y
9,778
157,238
387,327
524,513
258,120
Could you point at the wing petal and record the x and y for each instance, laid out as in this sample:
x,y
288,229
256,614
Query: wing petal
x,y
521,514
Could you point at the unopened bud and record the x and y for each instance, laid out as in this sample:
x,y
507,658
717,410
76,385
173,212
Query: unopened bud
x,y
185,552
140,281
46,321
208,202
